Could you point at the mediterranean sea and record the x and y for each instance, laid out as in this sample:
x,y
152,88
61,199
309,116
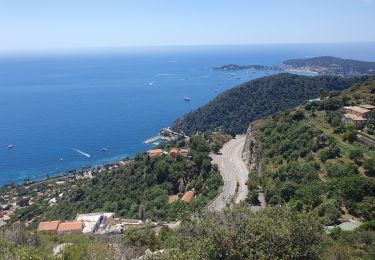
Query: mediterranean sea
x,y
59,109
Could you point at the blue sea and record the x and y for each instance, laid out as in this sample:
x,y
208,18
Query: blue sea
x,y
54,103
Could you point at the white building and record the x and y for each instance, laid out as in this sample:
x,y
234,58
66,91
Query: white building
x,y
94,221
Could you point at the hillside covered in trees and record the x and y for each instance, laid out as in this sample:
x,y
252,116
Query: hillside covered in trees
x,y
232,110
312,162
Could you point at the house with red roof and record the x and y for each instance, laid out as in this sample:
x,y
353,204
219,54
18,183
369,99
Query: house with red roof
x,y
49,226
70,227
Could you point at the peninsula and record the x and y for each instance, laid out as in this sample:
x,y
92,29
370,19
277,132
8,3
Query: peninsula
x,y
323,66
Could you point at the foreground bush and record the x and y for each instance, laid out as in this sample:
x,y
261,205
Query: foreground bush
x,y
274,233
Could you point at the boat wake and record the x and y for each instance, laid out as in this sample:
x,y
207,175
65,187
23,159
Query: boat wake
x,y
82,153
166,74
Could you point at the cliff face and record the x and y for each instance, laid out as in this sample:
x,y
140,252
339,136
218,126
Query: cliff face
x,y
250,153
251,156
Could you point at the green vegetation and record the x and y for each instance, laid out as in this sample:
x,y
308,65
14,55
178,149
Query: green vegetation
x,y
313,163
313,173
144,181
20,242
236,233
233,110
274,233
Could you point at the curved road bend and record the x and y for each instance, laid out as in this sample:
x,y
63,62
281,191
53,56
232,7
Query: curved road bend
x,y
233,170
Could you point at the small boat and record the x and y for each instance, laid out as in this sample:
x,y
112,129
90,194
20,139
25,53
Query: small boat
x,y
151,83
61,159
10,146
104,149
186,98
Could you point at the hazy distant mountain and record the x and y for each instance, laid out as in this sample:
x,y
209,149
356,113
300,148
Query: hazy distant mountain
x,y
332,66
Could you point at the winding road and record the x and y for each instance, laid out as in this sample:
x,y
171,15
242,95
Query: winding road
x,y
233,171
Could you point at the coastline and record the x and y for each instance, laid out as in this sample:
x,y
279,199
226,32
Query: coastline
x,y
79,173
302,72
165,134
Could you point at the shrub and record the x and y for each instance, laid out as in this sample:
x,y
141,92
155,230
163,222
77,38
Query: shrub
x,y
369,166
356,155
273,233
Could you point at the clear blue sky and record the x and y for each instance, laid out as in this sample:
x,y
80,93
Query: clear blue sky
x,y
41,24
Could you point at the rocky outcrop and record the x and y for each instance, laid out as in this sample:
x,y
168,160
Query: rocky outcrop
x,y
250,153
251,157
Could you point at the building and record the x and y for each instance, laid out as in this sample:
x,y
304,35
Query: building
x,y
184,151
173,152
94,221
70,227
155,152
357,115
109,216
357,121
358,111
131,222
188,196
369,107
49,226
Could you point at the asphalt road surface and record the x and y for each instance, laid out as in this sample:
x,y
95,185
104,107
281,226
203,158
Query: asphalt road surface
x,y
233,170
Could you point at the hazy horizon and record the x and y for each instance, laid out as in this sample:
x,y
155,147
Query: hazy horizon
x,y
169,48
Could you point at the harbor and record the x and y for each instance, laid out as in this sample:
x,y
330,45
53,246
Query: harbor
x,y
166,134
155,138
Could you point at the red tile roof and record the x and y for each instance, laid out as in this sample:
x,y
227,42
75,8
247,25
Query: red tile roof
x,y
173,152
49,226
358,109
355,117
155,152
70,226
187,196
367,106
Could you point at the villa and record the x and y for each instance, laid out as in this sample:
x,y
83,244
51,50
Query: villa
x,y
357,115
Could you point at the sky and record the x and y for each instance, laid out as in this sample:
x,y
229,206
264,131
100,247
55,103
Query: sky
x,y
56,24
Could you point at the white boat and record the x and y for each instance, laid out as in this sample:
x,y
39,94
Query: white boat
x,y
151,83
186,98
10,146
